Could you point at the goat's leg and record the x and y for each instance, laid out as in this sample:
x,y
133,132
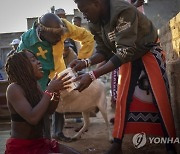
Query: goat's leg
x,y
85,126
103,110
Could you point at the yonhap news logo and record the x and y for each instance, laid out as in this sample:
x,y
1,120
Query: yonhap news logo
x,y
139,140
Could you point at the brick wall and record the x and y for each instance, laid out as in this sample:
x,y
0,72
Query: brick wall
x,y
170,40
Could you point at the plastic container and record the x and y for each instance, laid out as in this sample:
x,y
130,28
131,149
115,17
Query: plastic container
x,y
72,73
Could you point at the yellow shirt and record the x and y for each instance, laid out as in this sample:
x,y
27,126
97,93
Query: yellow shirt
x,y
76,33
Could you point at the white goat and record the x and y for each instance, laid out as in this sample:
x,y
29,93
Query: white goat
x,y
86,101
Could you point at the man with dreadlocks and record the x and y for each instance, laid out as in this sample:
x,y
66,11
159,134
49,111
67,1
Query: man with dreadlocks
x,y
28,104
127,40
46,39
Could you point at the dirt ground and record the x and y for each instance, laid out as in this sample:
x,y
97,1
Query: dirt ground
x,y
95,141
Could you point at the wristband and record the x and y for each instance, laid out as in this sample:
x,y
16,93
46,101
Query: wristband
x,y
48,93
92,76
56,98
87,62
95,74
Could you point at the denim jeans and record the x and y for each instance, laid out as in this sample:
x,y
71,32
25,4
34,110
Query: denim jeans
x,y
57,124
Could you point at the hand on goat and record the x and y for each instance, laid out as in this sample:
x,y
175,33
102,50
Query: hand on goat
x,y
84,81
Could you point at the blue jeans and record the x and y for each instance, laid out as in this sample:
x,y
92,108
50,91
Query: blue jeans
x,y
57,124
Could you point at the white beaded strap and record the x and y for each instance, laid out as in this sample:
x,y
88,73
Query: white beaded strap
x,y
87,62
84,60
92,76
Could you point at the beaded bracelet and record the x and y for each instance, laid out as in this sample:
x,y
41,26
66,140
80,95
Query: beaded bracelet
x,y
56,97
87,62
92,76
48,93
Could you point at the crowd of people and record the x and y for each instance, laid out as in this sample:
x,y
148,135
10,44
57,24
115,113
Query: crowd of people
x,y
121,37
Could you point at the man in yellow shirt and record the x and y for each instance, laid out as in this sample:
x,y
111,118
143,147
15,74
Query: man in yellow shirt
x,y
46,40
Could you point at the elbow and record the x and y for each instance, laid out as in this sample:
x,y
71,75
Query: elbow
x,y
33,121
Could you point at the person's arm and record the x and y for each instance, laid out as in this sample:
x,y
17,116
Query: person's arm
x,y
16,97
78,65
85,79
126,35
84,37
54,103
97,58
102,52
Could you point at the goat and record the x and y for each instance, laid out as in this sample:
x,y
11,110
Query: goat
x,y
85,101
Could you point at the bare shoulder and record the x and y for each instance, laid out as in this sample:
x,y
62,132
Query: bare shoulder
x,y
13,86
13,90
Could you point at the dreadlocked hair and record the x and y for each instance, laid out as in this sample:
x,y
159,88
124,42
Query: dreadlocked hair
x,y
20,71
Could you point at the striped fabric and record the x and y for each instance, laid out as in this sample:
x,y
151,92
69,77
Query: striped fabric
x,y
143,117
138,116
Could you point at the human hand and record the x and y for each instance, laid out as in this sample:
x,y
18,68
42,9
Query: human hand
x,y
138,3
78,65
59,83
84,81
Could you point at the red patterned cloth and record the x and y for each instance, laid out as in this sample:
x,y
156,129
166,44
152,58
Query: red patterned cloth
x,y
33,146
155,69
143,117
114,82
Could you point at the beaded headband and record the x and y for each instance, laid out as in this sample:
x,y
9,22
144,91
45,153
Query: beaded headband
x,y
61,29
